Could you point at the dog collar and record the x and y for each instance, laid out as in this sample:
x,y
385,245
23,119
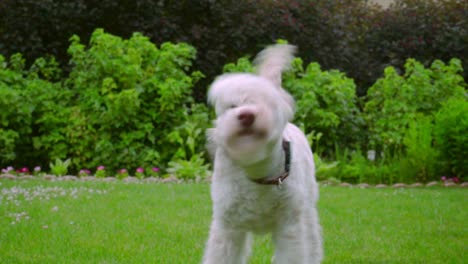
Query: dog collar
x,y
287,164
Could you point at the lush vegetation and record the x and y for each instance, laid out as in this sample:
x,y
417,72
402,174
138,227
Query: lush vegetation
x,y
396,121
126,104
82,222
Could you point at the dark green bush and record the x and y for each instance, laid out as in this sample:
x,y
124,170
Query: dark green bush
x,y
15,117
27,96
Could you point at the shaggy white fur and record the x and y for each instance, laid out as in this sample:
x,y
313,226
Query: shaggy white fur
x,y
253,114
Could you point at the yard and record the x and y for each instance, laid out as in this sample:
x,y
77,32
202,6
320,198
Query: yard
x,y
117,222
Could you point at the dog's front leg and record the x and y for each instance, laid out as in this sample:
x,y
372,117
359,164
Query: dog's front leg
x,y
290,242
227,246
314,240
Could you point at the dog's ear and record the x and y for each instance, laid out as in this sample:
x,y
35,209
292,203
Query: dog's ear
x,y
273,60
289,108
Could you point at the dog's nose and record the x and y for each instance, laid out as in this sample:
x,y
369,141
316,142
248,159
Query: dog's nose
x,y
246,118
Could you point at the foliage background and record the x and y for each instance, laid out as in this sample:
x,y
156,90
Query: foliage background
x,y
125,104
365,79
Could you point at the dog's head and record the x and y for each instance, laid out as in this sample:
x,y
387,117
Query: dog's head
x,y
252,110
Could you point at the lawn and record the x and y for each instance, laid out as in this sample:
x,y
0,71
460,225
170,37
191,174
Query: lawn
x,y
116,222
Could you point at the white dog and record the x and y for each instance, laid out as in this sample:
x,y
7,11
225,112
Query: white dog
x,y
263,168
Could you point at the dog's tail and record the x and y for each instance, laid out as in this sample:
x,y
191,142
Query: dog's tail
x,y
273,60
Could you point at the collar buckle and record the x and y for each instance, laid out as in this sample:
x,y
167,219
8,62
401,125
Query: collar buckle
x,y
278,181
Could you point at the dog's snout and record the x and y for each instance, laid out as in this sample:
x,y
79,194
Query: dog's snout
x,y
246,118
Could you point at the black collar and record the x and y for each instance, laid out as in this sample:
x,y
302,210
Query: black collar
x,y
287,164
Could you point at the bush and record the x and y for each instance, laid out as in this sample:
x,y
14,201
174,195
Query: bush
x,y
15,116
326,105
128,104
428,150
394,100
118,106
27,96
451,137
129,96
419,161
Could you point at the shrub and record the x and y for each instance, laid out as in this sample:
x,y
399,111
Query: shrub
x,y
420,160
326,104
118,106
26,95
52,111
395,100
129,96
15,116
451,137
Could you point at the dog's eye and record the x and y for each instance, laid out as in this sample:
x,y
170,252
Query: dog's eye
x,y
232,106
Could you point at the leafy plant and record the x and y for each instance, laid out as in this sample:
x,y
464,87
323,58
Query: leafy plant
x,y
243,64
190,135
27,98
324,170
314,141
140,173
395,100
101,172
60,168
451,137
122,174
194,169
15,117
121,100
420,158
129,96
326,104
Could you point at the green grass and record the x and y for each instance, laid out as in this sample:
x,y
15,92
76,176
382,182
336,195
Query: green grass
x,y
98,222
